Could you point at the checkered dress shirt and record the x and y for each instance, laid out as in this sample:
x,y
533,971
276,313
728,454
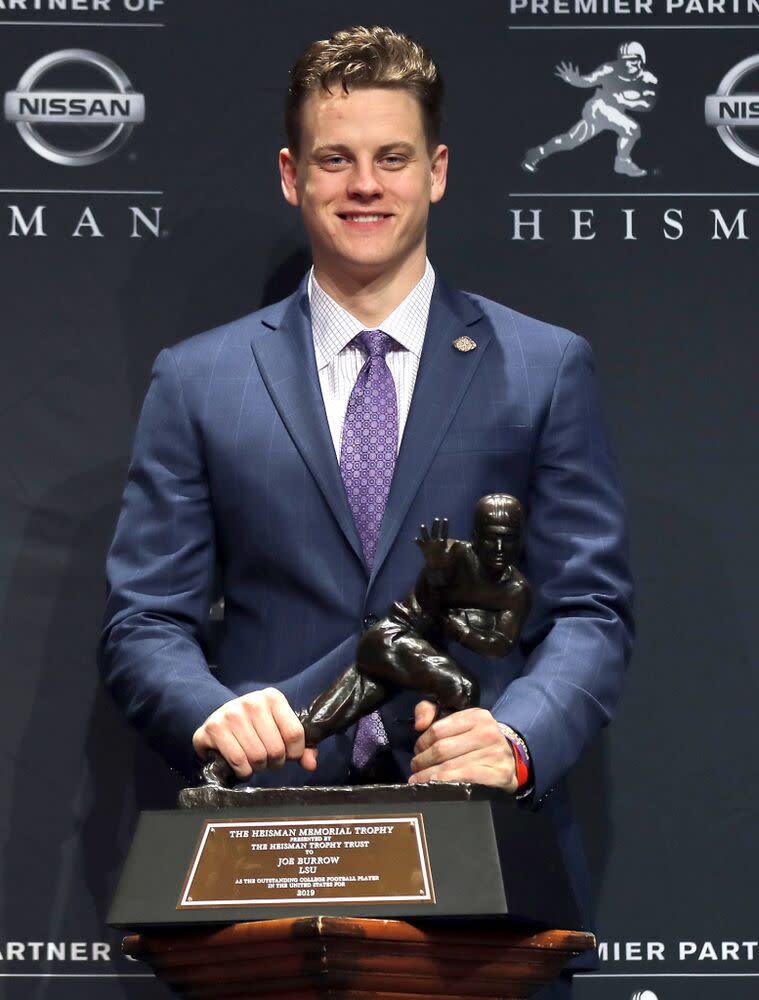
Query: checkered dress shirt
x,y
339,362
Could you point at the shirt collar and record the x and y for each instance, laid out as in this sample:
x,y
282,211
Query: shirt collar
x,y
334,327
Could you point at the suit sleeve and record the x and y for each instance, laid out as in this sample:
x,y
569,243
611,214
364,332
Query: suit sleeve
x,y
578,638
160,573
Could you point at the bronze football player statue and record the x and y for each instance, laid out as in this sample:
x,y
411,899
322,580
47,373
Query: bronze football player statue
x,y
468,592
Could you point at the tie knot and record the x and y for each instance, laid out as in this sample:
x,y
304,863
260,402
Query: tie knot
x,y
376,343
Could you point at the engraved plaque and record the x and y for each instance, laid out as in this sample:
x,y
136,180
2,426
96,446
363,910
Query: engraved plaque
x,y
332,859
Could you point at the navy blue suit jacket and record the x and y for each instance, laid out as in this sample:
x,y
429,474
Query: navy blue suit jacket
x,y
234,466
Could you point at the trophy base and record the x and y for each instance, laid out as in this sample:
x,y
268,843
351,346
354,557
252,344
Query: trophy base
x,y
217,797
392,851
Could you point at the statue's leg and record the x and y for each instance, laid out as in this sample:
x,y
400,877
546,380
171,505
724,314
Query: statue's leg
x,y
345,701
394,655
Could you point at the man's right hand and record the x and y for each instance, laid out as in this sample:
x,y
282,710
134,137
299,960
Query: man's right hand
x,y
254,733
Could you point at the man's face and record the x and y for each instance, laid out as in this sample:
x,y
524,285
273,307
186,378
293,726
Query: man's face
x,y
364,179
496,545
633,65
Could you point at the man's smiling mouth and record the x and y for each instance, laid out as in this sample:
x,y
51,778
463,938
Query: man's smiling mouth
x,y
363,217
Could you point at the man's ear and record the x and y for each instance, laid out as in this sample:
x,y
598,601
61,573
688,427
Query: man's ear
x,y
439,172
288,171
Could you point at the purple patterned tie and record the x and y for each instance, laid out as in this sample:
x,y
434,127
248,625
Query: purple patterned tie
x,y
367,461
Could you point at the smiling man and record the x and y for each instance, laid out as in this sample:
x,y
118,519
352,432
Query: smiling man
x,y
294,453
364,173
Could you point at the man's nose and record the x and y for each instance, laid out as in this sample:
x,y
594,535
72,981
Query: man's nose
x,y
364,182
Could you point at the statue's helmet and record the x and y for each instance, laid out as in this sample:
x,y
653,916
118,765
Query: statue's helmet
x,y
632,50
497,508
497,530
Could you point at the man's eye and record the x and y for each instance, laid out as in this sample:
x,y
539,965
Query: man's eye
x,y
334,161
393,160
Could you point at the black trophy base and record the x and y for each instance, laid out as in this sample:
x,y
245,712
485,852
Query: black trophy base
x,y
485,856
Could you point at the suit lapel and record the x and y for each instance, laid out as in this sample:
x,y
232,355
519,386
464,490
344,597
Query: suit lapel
x,y
285,356
443,377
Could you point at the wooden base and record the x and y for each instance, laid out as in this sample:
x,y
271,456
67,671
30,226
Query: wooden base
x,y
315,958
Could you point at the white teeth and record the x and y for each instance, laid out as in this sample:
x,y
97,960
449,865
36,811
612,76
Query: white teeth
x,y
364,218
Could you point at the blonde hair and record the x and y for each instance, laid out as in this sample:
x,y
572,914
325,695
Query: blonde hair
x,y
365,57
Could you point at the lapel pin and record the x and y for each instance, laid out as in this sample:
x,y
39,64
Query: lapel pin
x,y
464,344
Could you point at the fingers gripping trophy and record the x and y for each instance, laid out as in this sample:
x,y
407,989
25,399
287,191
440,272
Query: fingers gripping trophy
x,y
470,593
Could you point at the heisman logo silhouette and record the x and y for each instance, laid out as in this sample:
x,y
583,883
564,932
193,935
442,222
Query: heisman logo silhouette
x,y
621,85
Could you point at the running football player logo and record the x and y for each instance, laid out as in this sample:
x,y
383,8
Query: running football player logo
x,y
621,86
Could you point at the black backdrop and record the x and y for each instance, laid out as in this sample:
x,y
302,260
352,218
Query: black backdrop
x,y
668,796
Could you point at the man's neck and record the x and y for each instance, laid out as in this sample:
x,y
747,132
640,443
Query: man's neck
x,y
371,298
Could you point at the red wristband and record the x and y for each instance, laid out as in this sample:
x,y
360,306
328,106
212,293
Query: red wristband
x,y
520,751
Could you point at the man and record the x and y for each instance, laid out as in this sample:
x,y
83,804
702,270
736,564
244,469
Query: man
x,y
254,453
621,85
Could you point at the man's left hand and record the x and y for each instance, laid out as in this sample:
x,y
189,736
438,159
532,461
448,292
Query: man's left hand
x,y
464,746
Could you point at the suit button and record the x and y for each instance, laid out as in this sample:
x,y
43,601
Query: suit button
x,y
370,620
